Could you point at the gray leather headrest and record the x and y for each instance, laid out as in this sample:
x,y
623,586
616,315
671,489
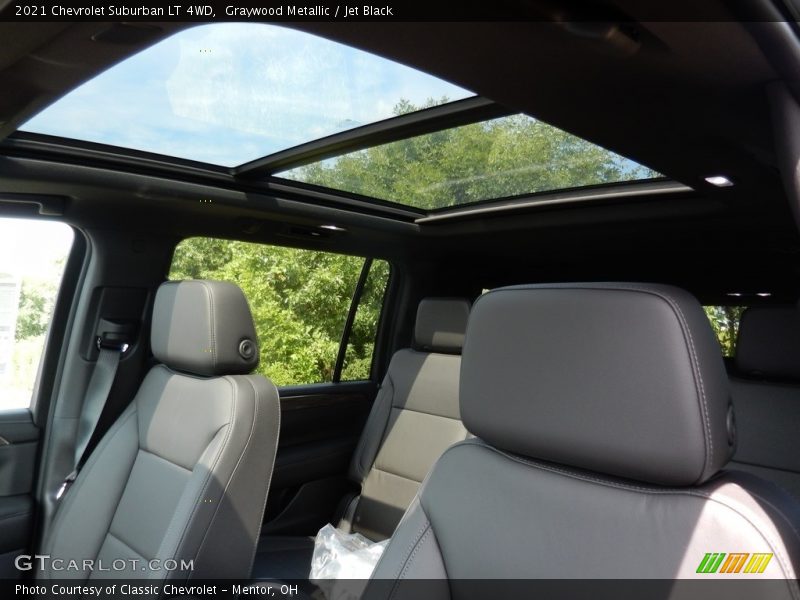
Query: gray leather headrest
x,y
204,328
769,342
622,379
441,324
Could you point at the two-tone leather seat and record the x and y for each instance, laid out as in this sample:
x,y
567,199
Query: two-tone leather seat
x,y
766,395
414,419
183,473
602,418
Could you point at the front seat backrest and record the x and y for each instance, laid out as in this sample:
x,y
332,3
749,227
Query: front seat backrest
x,y
766,395
602,419
183,474
414,419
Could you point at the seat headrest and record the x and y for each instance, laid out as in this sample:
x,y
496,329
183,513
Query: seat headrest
x,y
204,328
769,342
621,379
441,324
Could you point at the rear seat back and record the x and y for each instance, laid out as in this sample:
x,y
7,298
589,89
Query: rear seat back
x,y
415,418
766,395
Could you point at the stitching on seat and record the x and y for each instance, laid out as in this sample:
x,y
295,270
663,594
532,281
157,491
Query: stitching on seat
x,y
422,412
271,469
211,330
411,558
166,460
696,371
685,329
786,564
374,468
208,477
409,554
233,471
127,545
425,526
365,467
90,464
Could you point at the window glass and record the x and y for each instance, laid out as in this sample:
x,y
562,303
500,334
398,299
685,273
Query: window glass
x,y
299,299
725,322
361,343
504,157
228,93
32,259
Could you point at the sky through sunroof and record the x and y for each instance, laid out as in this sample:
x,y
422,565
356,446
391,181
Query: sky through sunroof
x,y
230,93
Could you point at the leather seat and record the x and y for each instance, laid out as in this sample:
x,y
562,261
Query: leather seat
x,y
602,419
414,419
183,473
766,395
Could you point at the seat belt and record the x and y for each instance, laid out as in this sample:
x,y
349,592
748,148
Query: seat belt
x,y
105,371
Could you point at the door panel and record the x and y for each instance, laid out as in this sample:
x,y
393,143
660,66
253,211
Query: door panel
x,y
19,441
320,427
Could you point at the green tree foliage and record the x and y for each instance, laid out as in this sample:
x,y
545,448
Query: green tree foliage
x,y
725,322
36,300
299,299
494,159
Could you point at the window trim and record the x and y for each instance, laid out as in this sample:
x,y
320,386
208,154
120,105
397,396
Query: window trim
x,y
355,302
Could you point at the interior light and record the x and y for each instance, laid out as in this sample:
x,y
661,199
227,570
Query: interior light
x,y
741,294
332,227
719,181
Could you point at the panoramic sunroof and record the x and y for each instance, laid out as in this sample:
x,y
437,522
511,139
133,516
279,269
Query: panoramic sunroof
x,y
499,158
229,93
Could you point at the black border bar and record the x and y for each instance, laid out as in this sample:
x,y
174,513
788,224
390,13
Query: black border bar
x,y
564,11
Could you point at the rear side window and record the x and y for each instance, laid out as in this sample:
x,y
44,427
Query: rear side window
x,y
725,322
32,259
300,301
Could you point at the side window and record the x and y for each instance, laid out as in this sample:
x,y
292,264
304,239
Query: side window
x,y
300,301
32,259
725,322
361,343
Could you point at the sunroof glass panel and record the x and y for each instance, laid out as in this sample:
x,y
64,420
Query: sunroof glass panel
x,y
229,93
504,157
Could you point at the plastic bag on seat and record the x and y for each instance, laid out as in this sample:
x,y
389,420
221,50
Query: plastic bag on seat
x,y
339,555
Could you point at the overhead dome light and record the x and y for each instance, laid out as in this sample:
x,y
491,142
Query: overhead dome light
x,y
749,294
719,180
332,227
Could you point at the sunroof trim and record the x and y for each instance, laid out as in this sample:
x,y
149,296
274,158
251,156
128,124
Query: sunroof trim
x,y
605,191
42,142
42,147
421,122
346,199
